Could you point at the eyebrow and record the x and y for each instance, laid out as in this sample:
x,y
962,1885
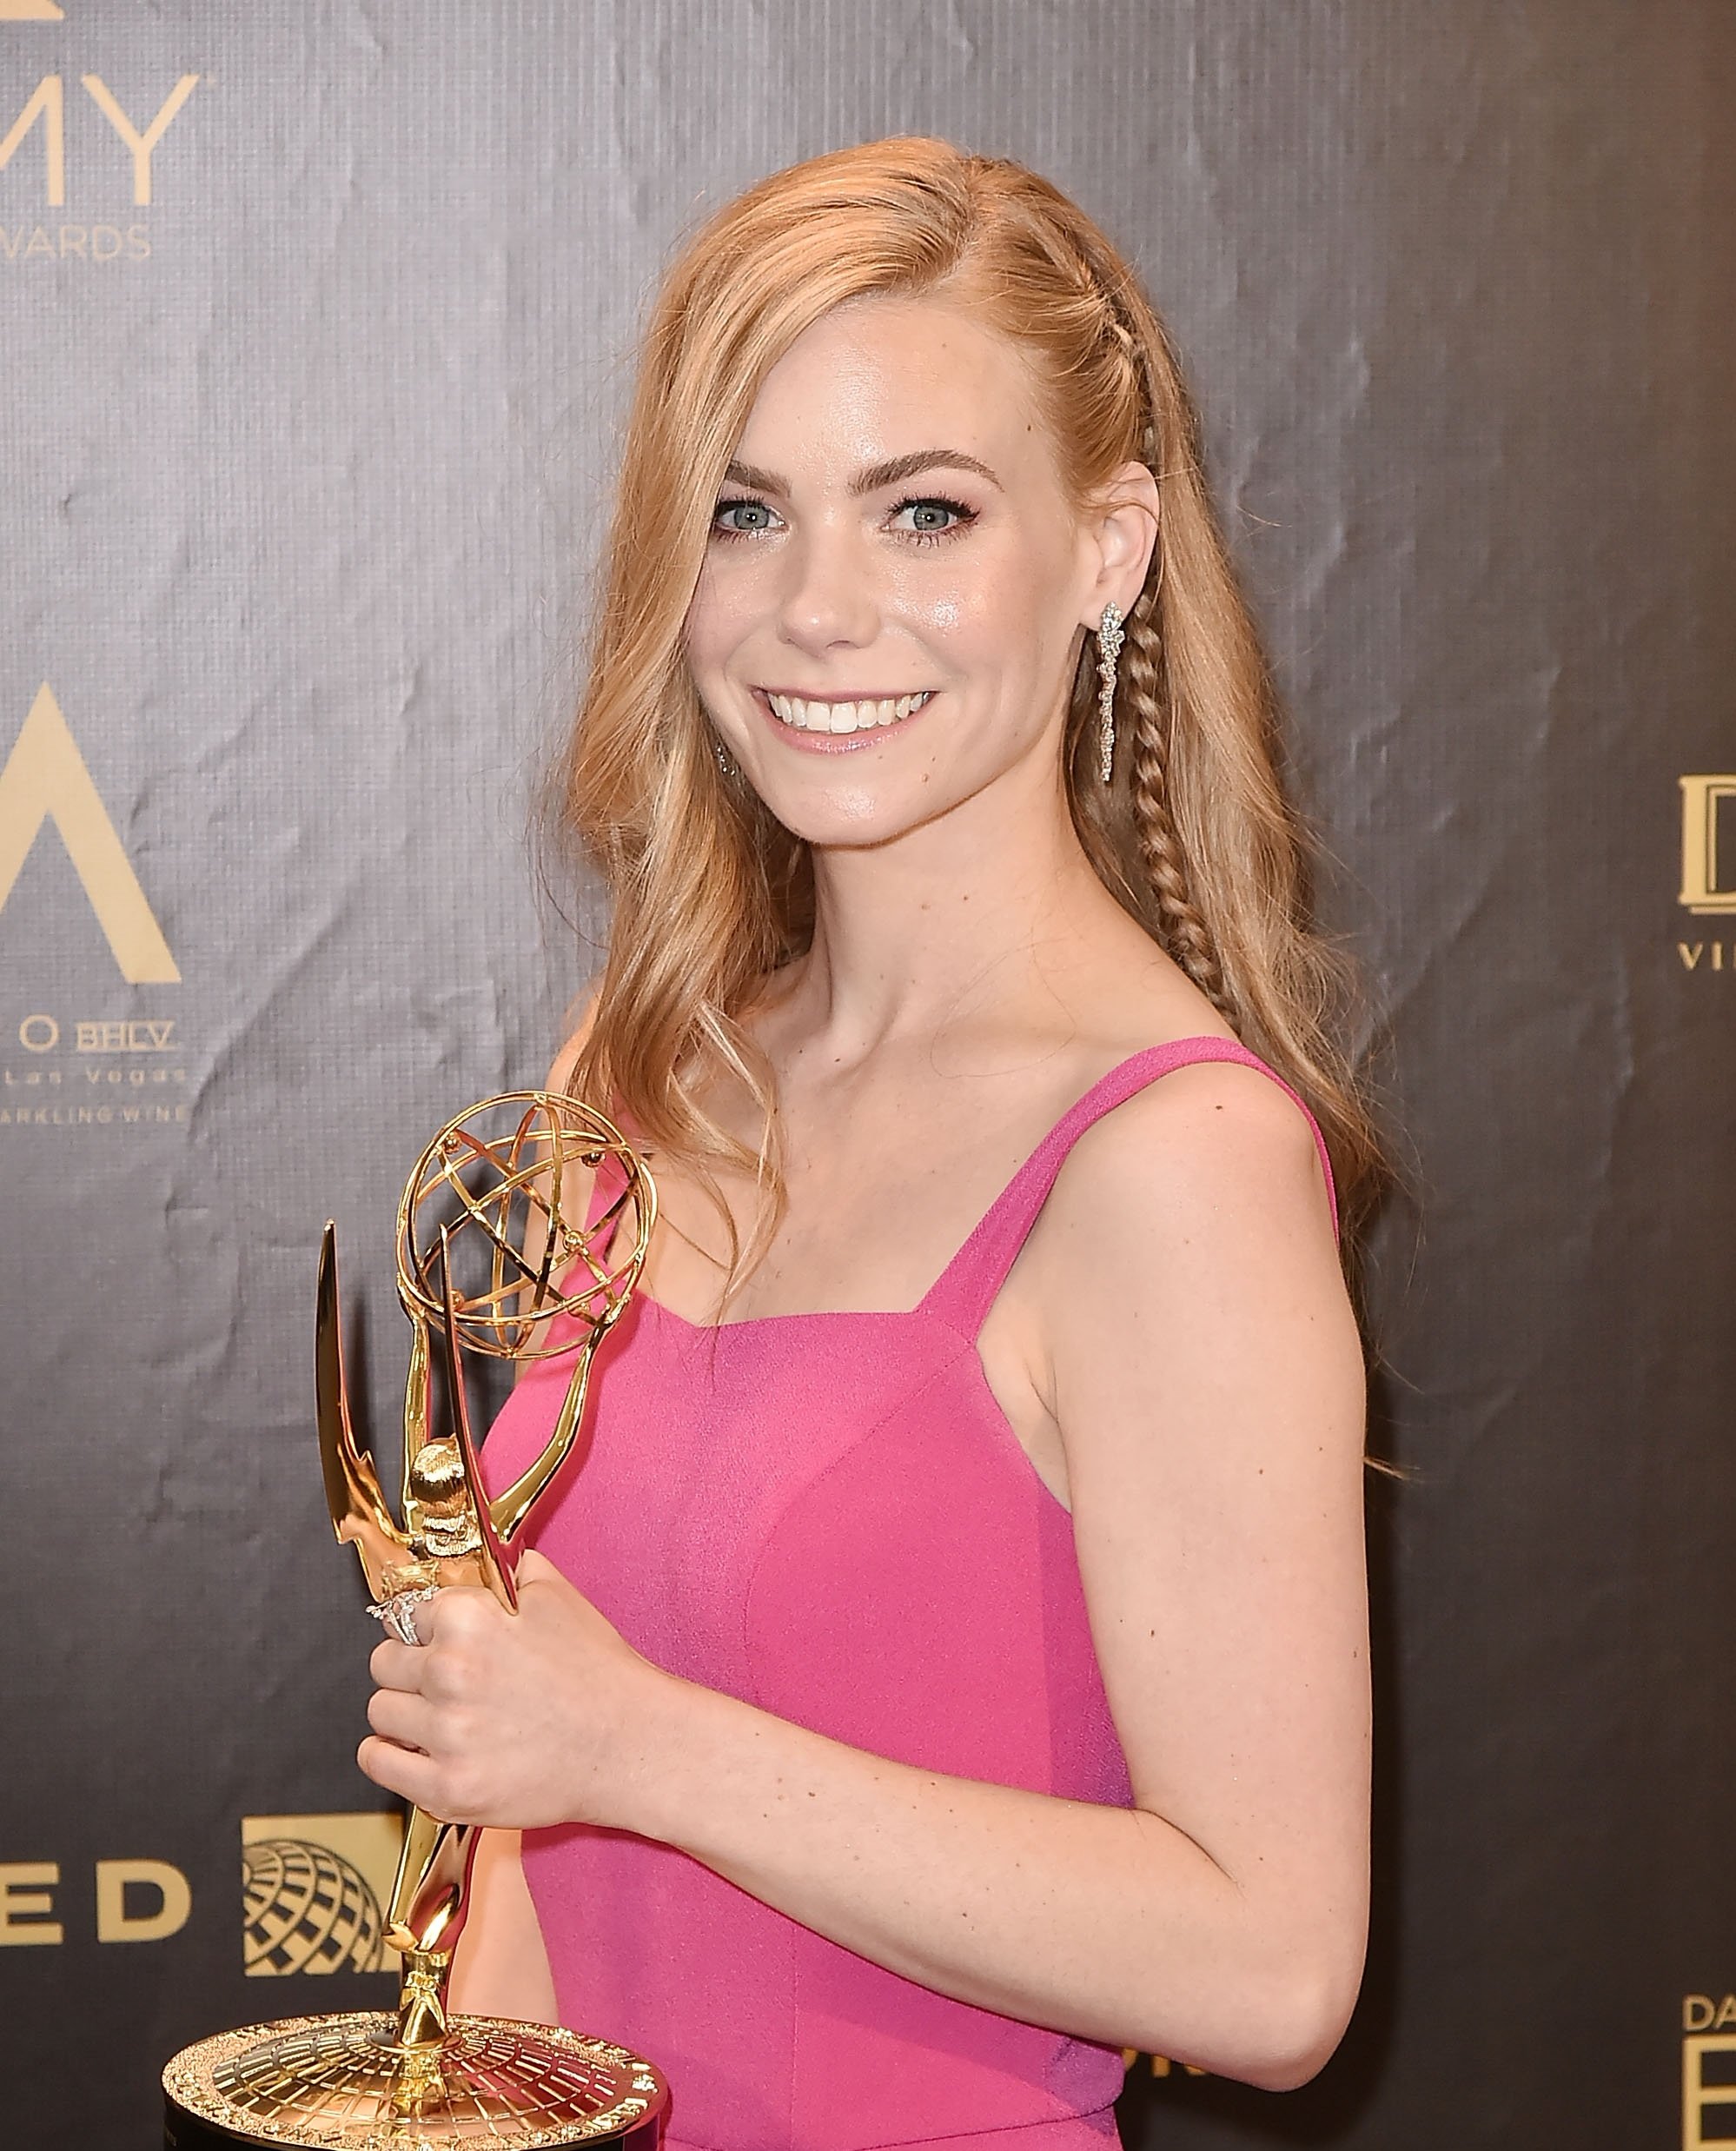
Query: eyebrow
x,y
876,476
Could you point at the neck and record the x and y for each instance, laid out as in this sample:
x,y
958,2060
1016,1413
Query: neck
x,y
952,925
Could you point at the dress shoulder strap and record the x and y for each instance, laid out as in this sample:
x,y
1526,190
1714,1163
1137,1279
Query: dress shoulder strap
x,y
965,1290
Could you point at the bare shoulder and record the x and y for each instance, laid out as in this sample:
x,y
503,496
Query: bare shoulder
x,y
1215,1145
1186,1278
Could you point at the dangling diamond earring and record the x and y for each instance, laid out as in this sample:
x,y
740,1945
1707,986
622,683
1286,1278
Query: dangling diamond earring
x,y
724,759
1109,640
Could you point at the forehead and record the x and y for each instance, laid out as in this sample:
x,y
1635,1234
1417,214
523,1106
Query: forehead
x,y
879,377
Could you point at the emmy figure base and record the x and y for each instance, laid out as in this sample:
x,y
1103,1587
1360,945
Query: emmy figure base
x,y
341,2083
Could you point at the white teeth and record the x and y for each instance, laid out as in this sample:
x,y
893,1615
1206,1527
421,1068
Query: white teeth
x,y
804,716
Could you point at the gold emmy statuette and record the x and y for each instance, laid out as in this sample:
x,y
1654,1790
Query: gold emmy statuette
x,y
488,1195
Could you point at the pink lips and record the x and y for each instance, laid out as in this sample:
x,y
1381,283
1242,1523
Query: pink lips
x,y
836,742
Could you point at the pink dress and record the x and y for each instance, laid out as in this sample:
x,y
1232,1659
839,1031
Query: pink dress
x,y
829,1516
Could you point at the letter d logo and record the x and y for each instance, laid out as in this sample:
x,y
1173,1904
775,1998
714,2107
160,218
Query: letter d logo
x,y
1701,798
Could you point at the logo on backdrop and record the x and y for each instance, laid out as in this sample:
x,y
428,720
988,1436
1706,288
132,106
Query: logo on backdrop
x,y
100,160
45,779
313,1892
73,1068
1708,2071
135,1901
1708,863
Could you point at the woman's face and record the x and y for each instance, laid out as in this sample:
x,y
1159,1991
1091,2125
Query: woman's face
x,y
888,616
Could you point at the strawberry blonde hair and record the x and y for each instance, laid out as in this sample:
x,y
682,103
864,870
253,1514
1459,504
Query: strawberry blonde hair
x,y
711,894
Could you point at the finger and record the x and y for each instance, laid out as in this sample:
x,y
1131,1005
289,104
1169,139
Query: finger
x,y
406,1719
539,1575
400,1770
397,1665
452,1611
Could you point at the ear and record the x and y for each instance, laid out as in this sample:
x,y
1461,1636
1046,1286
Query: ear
x,y
1122,525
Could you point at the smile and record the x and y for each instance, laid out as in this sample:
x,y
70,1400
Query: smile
x,y
866,715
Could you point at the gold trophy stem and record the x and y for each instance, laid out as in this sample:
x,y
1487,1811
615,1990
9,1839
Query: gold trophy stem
x,y
421,1999
429,1899
418,1392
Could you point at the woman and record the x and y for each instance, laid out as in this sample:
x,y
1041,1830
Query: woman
x,y
949,1665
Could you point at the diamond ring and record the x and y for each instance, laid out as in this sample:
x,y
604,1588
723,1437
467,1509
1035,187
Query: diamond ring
x,y
398,1613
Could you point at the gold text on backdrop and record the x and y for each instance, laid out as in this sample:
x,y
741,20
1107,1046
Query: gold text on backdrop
x,y
45,779
47,102
1704,888
30,1914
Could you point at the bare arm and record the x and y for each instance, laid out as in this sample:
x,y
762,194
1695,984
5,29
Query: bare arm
x,y
1204,1371
501,1966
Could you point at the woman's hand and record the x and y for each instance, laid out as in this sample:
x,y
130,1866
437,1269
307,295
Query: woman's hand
x,y
515,1722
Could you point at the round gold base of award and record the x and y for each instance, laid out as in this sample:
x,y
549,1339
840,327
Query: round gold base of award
x,y
342,2083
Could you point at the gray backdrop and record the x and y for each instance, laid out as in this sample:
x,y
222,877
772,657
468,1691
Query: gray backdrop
x,y
307,402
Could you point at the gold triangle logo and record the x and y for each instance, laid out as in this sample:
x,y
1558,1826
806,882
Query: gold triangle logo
x,y
31,12
45,778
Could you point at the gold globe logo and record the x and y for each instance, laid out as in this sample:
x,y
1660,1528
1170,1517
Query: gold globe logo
x,y
305,1909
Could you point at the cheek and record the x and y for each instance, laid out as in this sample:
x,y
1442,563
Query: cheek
x,y
721,613
993,607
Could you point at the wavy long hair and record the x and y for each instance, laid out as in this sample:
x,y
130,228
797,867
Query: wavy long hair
x,y
711,895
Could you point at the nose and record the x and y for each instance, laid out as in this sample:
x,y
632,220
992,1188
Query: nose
x,y
829,600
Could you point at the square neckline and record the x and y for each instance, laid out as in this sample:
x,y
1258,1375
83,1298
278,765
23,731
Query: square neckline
x,y
1224,1051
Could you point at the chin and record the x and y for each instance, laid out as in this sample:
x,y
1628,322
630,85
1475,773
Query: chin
x,y
853,817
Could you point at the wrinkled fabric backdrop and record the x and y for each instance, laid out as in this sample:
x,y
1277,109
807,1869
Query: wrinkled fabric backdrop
x,y
315,325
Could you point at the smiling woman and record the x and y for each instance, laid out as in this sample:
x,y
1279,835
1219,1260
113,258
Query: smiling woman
x,y
851,601
949,1664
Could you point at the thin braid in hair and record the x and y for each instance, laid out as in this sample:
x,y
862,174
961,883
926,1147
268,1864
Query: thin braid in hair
x,y
1143,691
1184,930
1134,358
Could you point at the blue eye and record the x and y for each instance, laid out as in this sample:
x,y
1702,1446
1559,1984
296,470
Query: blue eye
x,y
934,517
742,519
